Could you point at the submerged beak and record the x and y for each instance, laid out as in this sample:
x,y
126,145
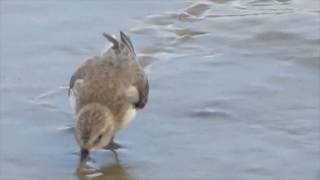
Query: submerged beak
x,y
84,154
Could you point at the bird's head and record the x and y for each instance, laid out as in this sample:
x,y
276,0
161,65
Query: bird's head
x,y
94,128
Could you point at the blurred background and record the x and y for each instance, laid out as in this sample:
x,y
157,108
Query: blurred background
x,y
234,88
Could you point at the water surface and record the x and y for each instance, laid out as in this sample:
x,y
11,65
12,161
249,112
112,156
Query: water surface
x,y
234,88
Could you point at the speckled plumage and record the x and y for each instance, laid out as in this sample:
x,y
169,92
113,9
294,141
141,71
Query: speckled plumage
x,y
115,80
107,79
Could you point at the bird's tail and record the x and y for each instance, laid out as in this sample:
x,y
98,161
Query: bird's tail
x,y
120,45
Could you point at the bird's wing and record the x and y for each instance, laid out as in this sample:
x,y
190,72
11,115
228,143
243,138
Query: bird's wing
x,y
127,42
75,82
142,86
81,72
123,46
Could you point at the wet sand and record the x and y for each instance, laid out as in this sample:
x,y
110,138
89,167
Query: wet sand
x,y
234,88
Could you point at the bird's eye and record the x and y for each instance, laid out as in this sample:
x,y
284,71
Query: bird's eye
x,y
98,138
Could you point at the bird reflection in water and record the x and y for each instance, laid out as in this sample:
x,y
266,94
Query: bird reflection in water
x,y
111,171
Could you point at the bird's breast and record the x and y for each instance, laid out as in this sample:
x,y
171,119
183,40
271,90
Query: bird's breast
x,y
128,117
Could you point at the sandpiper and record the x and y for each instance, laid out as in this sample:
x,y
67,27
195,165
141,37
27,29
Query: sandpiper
x,y
105,93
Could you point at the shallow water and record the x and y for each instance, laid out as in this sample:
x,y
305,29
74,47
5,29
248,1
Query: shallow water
x,y
234,88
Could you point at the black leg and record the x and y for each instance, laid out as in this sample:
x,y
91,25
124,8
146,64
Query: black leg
x,y
115,155
84,154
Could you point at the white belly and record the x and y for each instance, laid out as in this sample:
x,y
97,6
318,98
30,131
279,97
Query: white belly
x,y
73,100
128,117
74,94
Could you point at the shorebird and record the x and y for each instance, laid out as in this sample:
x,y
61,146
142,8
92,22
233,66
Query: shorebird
x,y
105,93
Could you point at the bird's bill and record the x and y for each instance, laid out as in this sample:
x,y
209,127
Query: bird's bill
x,y
84,155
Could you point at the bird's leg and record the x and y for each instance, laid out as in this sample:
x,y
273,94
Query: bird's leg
x,y
84,155
113,145
115,155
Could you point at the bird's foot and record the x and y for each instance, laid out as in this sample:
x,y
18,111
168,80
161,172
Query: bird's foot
x,y
113,146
